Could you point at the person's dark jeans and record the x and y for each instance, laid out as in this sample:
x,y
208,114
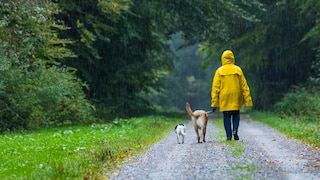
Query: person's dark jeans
x,y
228,117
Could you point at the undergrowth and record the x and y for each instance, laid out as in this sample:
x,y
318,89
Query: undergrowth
x,y
79,152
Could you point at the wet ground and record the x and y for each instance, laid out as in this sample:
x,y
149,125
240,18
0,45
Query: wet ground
x,y
261,153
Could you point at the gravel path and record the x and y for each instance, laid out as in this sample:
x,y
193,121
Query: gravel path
x,y
261,153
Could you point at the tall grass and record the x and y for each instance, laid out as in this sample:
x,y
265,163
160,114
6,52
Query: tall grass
x,y
78,152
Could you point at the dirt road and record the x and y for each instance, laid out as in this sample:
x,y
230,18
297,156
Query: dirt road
x,y
261,153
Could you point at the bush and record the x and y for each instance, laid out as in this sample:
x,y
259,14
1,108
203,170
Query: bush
x,y
42,97
299,103
35,91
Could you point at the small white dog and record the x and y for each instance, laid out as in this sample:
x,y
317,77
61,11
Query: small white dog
x,y
180,131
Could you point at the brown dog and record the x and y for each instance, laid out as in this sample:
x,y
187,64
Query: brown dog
x,y
199,119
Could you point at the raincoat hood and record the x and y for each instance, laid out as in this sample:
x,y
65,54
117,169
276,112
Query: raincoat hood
x,y
227,57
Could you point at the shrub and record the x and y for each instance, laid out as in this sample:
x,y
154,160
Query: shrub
x,y
42,97
35,90
299,103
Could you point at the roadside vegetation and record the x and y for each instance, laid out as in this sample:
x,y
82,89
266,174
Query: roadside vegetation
x,y
74,74
89,151
299,128
79,152
297,115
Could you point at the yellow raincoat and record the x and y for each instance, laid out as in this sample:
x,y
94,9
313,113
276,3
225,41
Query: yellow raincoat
x,y
229,86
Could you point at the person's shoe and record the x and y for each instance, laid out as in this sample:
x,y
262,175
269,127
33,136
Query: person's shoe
x,y
236,137
228,139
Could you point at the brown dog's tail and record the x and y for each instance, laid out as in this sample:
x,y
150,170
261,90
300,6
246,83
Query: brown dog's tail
x,y
188,108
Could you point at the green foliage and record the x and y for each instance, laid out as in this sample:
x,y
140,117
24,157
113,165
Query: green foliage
x,y
42,97
310,8
122,46
299,103
121,50
207,20
28,30
79,152
35,91
273,51
315,72
122,55
194,83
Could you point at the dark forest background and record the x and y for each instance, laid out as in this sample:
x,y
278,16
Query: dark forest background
x,y
83,61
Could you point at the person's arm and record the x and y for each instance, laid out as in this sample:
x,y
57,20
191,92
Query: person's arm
x,y
246,91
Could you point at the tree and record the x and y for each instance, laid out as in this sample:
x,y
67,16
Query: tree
x,y
35,91
123,55
271,50
309,9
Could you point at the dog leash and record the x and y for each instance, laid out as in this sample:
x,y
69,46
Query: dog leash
x,y
208,112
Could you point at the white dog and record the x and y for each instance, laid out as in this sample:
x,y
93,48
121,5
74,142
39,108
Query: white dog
x,y
180,130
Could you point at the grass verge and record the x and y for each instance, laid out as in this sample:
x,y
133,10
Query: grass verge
x,y
81,152
304,129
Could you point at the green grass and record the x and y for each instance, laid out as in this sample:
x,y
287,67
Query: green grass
x,y
219,123
79,152
237,148
243,171
300,128
239,170
304,129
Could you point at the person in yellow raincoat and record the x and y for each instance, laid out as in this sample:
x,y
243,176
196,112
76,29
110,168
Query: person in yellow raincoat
x,y
229,88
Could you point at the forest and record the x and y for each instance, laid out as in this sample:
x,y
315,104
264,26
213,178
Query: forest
x,y
83,61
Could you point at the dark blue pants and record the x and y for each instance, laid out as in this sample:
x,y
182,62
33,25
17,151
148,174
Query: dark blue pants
x,y
228,117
